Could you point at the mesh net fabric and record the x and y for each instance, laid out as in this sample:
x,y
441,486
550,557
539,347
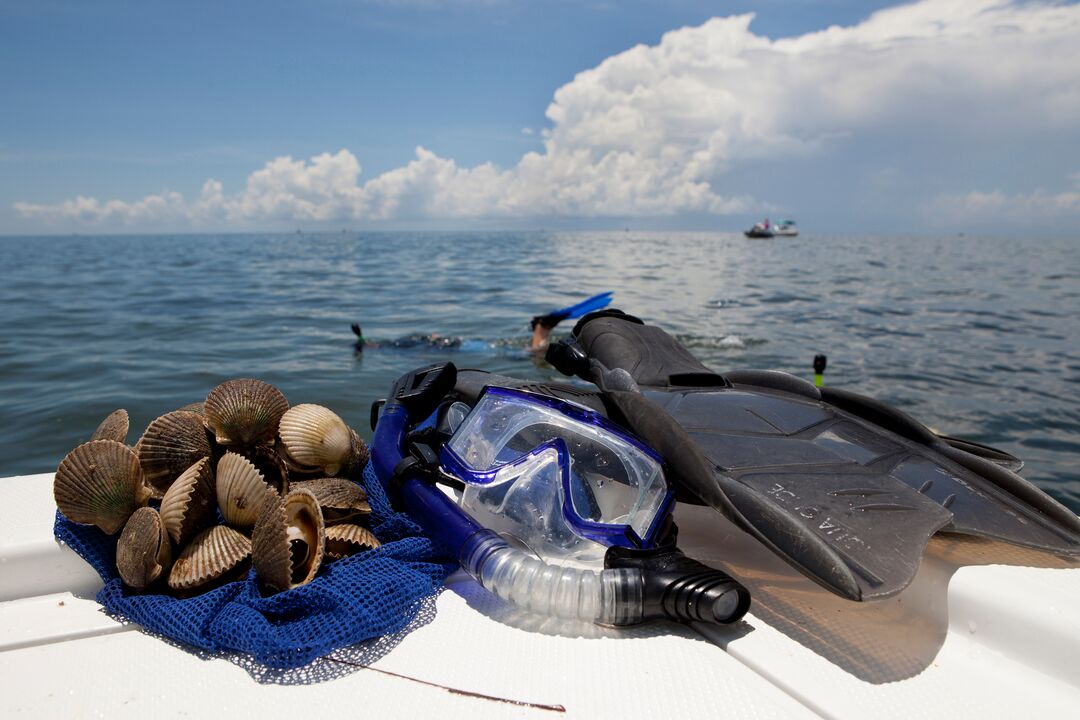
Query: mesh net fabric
x,y
354,599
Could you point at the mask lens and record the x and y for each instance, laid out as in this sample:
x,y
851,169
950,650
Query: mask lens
x,y
616,488
612,481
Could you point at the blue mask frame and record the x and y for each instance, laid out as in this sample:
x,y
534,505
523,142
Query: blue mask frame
x,y
607,534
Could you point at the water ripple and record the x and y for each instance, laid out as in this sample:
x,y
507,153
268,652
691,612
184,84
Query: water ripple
x,y
967,334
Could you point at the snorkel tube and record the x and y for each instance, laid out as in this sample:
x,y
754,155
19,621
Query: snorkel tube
x,y
634,586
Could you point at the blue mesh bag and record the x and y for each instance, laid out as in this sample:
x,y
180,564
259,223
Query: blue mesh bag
x,y
357,598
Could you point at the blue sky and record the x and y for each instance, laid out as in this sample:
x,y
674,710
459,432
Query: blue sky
x,y
117,102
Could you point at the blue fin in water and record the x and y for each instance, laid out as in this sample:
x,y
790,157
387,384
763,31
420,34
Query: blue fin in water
x,y
596,302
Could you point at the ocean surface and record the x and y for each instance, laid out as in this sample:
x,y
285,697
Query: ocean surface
x,y
976,337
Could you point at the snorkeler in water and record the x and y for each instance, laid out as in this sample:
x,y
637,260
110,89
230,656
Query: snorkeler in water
x,y
541,326
432,341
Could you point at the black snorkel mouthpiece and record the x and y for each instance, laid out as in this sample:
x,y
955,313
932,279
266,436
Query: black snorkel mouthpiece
x,y
676,587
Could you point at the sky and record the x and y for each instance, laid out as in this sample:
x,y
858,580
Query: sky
x,y
932,117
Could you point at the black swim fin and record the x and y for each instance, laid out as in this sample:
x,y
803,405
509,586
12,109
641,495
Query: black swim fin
x,y
846,489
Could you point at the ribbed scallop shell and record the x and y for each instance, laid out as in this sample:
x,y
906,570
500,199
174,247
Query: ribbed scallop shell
x,y
296,470
190,502
289,540
270,464
143,552
244,411
213,553
100,483
316,437
240,490
114,427
195,407
171,444
348,539
360,455
341,500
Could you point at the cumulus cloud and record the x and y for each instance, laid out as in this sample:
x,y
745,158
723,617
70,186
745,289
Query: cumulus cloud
x,y
998,206
151,209
667,129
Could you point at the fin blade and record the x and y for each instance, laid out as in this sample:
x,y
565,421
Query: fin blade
x,y
860,550
987,500
596,302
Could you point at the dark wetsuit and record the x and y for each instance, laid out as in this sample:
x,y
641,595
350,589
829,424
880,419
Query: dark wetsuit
x,y
431,341
434,342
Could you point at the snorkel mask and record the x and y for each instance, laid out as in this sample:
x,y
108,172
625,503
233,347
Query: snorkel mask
x,y
560,512
560,478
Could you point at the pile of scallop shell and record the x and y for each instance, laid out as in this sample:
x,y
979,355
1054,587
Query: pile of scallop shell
x,y
282,480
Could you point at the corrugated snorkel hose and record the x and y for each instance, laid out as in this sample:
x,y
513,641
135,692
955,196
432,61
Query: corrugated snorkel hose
x,y
610,597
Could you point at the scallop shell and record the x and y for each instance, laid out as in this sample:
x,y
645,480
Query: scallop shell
x,y
100,483
341,500
212,554
171,444
143,552
316,437
296,470
240,490
348,539
289,540
114,427
358,457
270,464
195,407
244,411
190,502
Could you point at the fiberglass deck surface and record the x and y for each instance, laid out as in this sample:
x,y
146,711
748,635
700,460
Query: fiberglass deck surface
x,y
974,641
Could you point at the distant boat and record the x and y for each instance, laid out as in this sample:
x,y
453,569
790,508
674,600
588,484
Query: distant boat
x,y
786,228
760,230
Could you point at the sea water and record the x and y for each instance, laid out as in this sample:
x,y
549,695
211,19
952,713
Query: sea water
x,y
976,337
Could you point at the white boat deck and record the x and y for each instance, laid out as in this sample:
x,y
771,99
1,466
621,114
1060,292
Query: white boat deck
x,y
976,641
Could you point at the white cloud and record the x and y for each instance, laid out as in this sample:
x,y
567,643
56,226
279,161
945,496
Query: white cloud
x,y
997,206
666,129
151,209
